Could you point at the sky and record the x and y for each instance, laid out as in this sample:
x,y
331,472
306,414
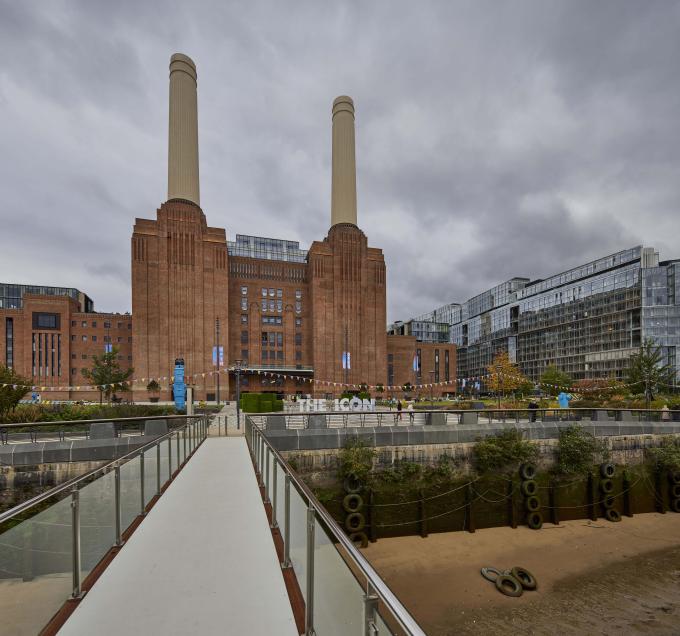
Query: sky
x,y
494,139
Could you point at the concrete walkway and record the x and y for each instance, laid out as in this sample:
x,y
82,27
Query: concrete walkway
x,y
202,562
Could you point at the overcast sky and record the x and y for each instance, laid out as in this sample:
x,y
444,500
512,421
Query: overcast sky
x,y
494,139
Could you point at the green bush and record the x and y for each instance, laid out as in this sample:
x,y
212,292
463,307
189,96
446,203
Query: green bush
x,y
67,412
578,450
503,452
356,458
666,456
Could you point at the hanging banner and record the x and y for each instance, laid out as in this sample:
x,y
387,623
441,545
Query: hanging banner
x,y
178,387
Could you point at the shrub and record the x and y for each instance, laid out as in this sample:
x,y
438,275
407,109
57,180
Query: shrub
x,y
356,457
667,455
578,450
503,452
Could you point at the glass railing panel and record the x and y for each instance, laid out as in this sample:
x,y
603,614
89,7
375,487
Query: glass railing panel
x,y
280,493
383,629
130,495
150,482
165,461
298,537
97,521
36,561
174,463
338,595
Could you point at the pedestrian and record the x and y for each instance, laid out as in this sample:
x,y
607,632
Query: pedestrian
x,y
411,414
533,407
399,407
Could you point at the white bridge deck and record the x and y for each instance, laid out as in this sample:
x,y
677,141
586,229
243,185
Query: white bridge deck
x,y
202,562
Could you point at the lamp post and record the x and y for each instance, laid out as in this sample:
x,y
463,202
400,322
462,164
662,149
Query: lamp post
x,y
431,387
499,386
237,368
217,356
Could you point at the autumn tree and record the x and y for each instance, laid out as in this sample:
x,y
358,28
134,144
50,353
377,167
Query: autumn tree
x,y
503,375
107,375
12,388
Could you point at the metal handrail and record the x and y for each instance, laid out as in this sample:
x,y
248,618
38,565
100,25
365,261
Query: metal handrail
x,y
110,419
373,579
495,410
68,485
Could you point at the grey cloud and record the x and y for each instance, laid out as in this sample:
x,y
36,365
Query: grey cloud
x,y
493,139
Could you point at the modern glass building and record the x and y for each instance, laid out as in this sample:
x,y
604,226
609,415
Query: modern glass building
x,y
268,248
11,295
587,321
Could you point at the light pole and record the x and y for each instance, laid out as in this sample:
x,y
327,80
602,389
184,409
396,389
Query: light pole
x,y
499,386
217,356
237,367
431,387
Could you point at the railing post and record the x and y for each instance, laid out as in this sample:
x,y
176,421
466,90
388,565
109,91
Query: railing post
x,y
274,497
170,458
141,481
184,442
286,522
266,482
309,600
75,529
158,468
179,463
370,612
116,482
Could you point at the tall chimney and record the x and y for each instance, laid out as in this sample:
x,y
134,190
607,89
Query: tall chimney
x,y
183,131
344,179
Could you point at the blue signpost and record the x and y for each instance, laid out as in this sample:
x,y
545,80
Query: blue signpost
x,y
179,387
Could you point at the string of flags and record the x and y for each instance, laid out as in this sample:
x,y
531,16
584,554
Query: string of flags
x,y
275,375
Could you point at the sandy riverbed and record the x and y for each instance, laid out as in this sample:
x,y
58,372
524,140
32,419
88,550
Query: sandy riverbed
x,y
594,578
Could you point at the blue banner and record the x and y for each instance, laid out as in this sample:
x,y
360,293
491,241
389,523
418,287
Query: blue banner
x,y
179,387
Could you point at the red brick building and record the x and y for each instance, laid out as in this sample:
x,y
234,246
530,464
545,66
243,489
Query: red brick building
x,y
289,315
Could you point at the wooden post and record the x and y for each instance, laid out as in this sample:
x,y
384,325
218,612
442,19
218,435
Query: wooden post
x,y
423,515
592,512
469,512
627,496
512,510
552,502
372,528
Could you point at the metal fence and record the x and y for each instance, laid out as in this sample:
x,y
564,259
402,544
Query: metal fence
x,y
342,592
50,544
344,419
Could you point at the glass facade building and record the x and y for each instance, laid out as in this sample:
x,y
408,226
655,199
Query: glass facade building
x,y
587,321
267,248
11,295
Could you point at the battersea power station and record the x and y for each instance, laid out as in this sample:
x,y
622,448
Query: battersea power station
x,y
283,314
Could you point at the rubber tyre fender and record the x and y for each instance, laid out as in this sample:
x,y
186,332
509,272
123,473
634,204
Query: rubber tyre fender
x,y
535,520
355,522
352,484
529,488
607,486
532,504
526,578
675,491
352,502
527,471
612,515
360,538
608,502
491,574
675,505
509,585
607,471
674,476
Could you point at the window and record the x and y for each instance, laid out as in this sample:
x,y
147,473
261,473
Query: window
x,y
73,323
264,292
129,325
120,325
265,338
244,357
244,291
264,305
73,356
436,365
43,320
9,342
279,293
244,337
271,292
107,325
73,338
298,294
298,355
73,371
244,318
279,339
94,338
107,338
279,306
279,355
265,355
129,357
84,324
84,338
94,323
298,339
446,365
298,306
120,339
298,322
244,304
272,305
129,338
84,356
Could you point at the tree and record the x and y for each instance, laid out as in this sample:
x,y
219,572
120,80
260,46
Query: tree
x,y
107,375
407,387
380,388
15,387
647,373
153,387
504,375
554,381
600,389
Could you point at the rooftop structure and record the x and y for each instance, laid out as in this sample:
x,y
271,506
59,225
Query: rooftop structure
x,y
12,294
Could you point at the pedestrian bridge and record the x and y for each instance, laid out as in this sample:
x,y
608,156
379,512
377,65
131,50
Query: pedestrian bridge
x,y
193,533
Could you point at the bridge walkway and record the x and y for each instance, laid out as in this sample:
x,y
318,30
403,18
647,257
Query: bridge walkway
x,y
202,562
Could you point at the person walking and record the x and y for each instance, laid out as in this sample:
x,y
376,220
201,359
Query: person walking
x,y
399,407
411,414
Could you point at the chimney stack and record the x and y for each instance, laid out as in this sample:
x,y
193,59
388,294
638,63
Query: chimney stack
x,y
183,131
344,179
